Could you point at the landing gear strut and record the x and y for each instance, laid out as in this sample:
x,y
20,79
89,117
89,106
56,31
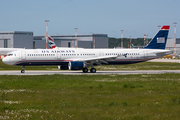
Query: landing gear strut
x,y
22,71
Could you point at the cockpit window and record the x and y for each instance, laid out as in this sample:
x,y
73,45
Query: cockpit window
x,y
10,54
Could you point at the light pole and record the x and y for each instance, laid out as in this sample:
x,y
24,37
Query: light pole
x,y
46,31
159,27
130,42
144,40
94,42
175,39
147,40
121,39
76,37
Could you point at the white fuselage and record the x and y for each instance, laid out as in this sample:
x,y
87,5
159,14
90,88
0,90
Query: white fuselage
x,y
61,56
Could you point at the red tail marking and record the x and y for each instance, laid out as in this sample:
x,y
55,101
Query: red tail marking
x,y
50,38
166,27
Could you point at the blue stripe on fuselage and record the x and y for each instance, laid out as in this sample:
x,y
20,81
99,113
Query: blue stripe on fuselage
x,y
38,63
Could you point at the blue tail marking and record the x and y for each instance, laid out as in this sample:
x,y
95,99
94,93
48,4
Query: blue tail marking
x,y
160,39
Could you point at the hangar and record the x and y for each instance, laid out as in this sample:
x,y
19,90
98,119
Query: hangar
x,y
22,39
170,45
16,39
83,40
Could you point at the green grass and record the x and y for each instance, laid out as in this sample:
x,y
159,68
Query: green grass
x,y
138,66
142,66
94,97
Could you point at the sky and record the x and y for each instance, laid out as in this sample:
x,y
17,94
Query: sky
x,y
134,17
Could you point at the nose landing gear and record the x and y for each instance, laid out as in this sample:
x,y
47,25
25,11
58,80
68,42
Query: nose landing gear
x,y
22,71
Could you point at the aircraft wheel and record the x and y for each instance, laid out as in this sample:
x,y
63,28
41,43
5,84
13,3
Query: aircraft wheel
x,y
85,70
93,70
22,71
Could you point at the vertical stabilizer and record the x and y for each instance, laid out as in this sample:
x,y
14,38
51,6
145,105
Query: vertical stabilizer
x,y
160,39
51,43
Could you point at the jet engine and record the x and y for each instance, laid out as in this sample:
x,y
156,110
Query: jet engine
x,y
75,65
62,67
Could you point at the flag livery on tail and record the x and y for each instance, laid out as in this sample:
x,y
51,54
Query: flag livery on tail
x,y
51,42
160,39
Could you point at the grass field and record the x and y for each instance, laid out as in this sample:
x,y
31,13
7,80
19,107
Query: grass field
x,y
138,66
93,97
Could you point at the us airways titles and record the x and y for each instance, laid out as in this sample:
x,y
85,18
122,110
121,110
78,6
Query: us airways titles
x,y
58,51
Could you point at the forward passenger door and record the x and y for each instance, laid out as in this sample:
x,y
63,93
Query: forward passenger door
x,y
23,55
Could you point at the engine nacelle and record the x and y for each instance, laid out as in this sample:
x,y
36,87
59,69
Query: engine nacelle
x,y
74,65
63,67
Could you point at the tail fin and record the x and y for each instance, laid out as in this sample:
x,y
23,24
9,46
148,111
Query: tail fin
x,y
160,39
51,43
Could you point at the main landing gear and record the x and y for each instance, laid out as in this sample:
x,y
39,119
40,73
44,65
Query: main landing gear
x,y
85,70
92,70
22,71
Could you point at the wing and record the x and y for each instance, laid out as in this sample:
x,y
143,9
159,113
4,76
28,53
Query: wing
x,y
98,60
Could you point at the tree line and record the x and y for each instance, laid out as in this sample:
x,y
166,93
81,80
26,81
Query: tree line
x,y
116,42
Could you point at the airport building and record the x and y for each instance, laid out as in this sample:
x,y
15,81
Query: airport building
x,y
170,45
21,39
83,40
16,39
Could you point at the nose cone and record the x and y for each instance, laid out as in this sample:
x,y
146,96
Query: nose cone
x,y
6,60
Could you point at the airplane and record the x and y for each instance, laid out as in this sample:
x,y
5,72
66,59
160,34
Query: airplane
x,y
81,59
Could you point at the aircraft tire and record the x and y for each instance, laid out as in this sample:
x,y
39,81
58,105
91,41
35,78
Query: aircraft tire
x,y
22,71
85,70
93,70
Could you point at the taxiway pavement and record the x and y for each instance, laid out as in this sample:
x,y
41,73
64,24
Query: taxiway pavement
x,y
29,72
166,60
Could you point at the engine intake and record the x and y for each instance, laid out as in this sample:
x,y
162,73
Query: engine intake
x,y
74,65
